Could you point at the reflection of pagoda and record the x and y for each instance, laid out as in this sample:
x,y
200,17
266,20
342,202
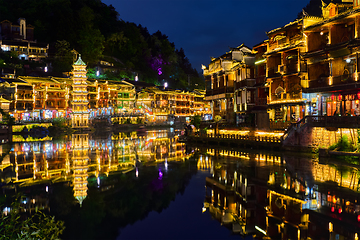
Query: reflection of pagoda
x,y
80,113
80,159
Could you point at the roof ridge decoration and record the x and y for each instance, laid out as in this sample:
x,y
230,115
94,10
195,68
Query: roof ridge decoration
x,y
334,18
287,25
79,61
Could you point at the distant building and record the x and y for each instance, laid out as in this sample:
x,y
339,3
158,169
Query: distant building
x,y
19,38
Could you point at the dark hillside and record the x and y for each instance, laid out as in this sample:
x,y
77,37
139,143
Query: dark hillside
x,y
96,31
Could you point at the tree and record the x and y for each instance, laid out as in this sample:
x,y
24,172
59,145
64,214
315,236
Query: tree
x,y
63,57
37,226
196,121
91,41
86,24
217,119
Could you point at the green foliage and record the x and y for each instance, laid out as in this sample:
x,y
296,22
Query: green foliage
x,y
7,119
343,145
217,118
196,121
18,225
59,127
139,120
59,122
127,121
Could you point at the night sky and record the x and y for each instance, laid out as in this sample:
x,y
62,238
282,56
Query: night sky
x,y
207,28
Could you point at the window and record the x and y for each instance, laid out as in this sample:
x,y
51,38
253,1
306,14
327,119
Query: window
x,y
356,3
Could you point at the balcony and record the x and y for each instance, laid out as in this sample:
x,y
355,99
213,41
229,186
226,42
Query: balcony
x,y
285,42
286,96
342,79
273,72
245,83
261,101
291,68
220,91
333,81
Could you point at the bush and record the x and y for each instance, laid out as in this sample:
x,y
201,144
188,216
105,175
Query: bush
x,y
342,145
37,226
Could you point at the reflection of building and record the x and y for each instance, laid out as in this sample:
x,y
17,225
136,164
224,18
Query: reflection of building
x,y
259,193
237,194
80,161
81,157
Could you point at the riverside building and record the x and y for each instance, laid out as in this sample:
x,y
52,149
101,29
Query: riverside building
x,y
309,67
45,98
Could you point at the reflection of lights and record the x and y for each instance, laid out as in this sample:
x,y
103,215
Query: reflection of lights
x,y
137,172
260,230
160,174
6,211
166,165
98,181
47,189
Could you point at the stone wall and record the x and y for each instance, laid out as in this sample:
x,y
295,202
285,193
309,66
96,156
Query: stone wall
x,y
324,138
315,137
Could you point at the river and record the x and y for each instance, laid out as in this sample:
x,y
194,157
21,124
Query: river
x,y
150,186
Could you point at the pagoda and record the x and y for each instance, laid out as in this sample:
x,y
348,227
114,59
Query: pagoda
x,y
80,112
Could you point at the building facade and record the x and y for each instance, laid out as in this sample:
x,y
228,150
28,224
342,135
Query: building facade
x,y
19,37
229,80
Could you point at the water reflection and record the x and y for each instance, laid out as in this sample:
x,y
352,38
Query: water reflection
x,y
99,185
82,155
280,196
60,175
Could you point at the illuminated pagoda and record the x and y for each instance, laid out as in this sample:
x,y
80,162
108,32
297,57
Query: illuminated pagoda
x,y
80,113
80,159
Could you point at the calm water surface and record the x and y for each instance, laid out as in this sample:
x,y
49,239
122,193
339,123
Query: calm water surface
x,y
126,186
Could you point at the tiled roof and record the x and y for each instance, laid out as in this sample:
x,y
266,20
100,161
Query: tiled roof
x,y
79,61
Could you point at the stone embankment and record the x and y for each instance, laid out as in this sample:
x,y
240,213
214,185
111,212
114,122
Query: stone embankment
x,y
237,140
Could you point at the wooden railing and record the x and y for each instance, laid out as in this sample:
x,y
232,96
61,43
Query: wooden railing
x,y
268,139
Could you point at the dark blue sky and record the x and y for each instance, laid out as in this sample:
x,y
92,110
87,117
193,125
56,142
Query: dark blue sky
x,y
207,28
